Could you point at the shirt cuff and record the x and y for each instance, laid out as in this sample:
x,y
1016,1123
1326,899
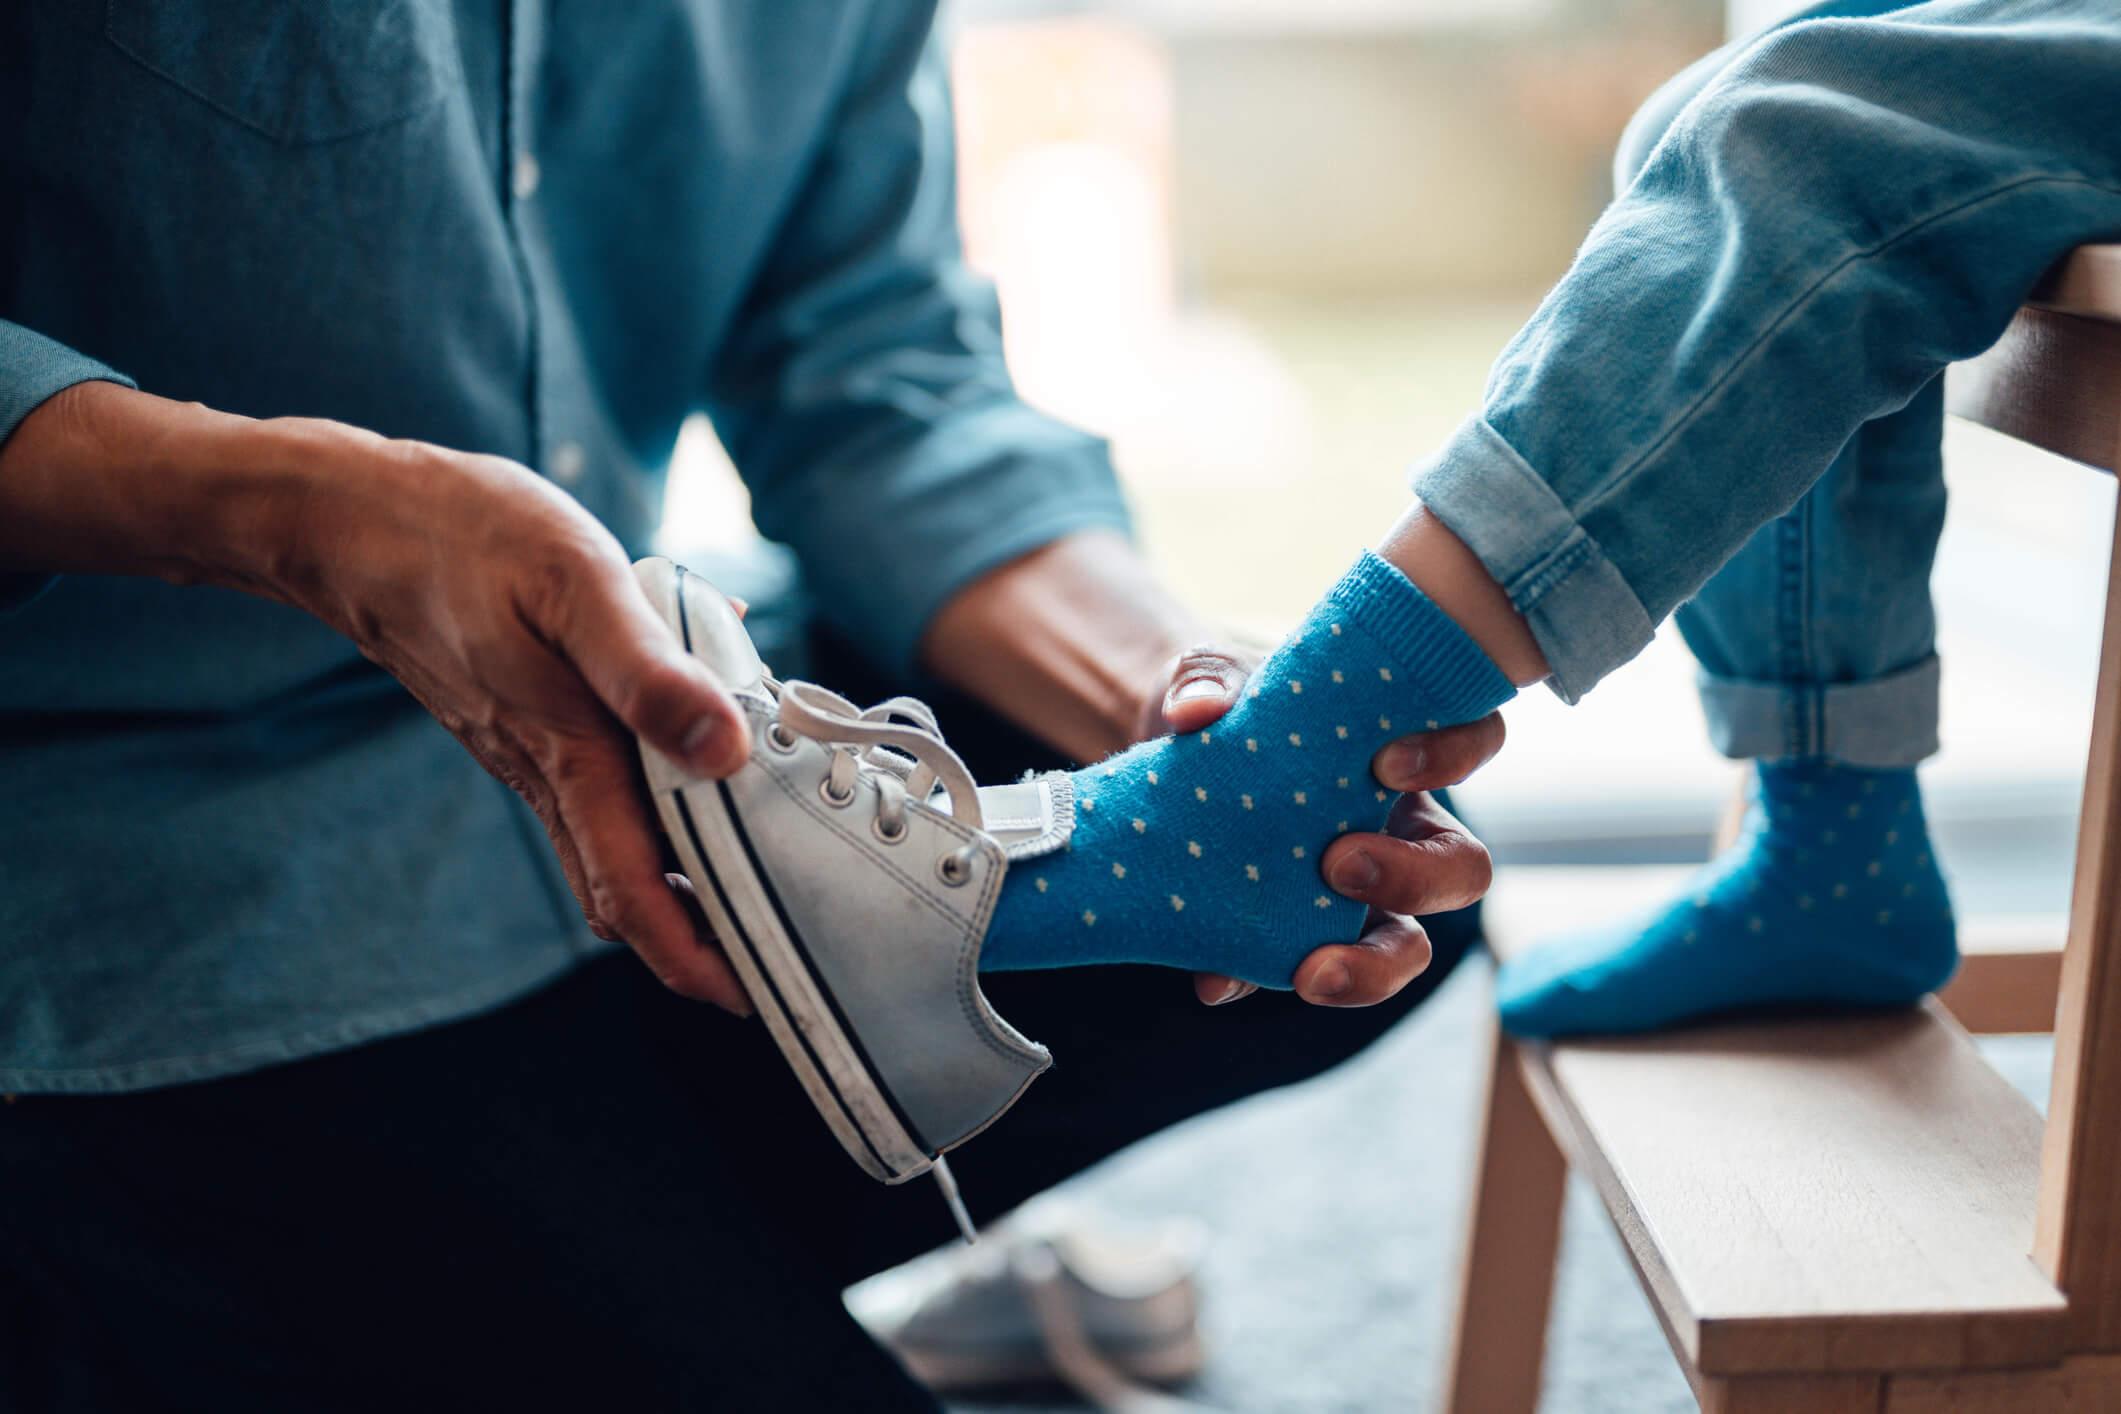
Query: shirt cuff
x,y
884,555
33,369
1584,615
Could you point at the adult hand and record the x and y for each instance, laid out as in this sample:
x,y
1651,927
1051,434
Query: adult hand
x,y
500,603
1423,861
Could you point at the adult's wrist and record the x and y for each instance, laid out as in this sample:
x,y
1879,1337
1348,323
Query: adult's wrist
x,y
1068,641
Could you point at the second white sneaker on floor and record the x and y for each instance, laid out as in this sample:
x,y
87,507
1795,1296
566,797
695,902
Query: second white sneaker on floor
x,y
1055,1292
849,870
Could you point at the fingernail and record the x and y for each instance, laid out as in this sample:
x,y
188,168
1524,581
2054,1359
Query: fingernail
x,y
1331,981
1229,990
1354,872
1198,690
1405,762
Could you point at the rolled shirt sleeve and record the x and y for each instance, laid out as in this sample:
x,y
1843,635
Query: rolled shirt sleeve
x,y
863,396
32,369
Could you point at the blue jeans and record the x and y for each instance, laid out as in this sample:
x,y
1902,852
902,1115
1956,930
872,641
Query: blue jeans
x,y
1731,405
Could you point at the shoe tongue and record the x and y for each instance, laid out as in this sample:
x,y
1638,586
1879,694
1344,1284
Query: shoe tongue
x,y
1031,817
717,636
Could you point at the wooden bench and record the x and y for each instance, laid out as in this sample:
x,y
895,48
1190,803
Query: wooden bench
x,y
1850,1213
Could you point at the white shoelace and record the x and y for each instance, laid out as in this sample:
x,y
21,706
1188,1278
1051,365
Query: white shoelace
x,y
895,745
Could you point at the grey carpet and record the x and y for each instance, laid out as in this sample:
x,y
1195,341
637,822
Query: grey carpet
x,y
1337,1209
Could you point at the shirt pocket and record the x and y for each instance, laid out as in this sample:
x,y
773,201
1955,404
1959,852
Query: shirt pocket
x,y
297,71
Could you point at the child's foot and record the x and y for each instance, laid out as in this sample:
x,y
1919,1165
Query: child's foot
x,y
1831,895
1201,851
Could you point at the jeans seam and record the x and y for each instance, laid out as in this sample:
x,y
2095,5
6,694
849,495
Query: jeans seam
x,y
1549,569
1598,496
1792,534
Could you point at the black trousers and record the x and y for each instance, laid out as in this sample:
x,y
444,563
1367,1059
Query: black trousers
x,y
600,1197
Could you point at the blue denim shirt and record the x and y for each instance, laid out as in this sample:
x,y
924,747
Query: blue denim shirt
x,y
548,232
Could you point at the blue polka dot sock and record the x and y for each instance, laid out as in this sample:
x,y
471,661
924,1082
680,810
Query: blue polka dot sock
x,y
1831,895
1201,851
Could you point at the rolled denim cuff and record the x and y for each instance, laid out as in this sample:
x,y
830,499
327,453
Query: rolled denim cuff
x,y
1585,617
1884,722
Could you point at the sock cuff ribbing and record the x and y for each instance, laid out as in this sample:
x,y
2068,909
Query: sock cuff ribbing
x,y
1460,683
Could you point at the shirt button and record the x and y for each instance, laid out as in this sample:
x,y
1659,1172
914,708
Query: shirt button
x,y
526,176
569,461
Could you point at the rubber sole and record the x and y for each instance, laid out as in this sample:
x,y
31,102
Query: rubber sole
x,y
1172,1362
789,995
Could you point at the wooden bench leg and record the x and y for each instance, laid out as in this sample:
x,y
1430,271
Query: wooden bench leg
x,y
1512,1240
2077,1233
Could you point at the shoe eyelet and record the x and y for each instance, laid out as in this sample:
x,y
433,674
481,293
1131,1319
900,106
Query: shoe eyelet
x,y
780,738
897,836
837,802
954,869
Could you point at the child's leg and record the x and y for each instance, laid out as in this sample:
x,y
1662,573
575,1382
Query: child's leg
x,y
1816,643
1849,206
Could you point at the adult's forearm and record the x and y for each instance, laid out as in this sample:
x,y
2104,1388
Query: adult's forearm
x,y
494,597
1068,641
100,478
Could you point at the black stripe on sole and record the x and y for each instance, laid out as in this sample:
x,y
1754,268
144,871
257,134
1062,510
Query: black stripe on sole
x,y
795,941
751,951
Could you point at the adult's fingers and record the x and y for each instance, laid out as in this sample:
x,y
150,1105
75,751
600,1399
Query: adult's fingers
x,y
598,796
1392,952
688,898
1201,684
1433,760
637,667
1424,861
1214,989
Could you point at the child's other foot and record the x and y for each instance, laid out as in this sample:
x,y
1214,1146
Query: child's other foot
x,y
1831,895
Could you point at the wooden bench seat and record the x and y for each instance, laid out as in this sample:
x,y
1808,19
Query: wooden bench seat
x,y
1804,1194
2030,385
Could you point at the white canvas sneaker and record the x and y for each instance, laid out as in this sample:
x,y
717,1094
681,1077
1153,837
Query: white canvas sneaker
x,y
849,870
1056,1292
